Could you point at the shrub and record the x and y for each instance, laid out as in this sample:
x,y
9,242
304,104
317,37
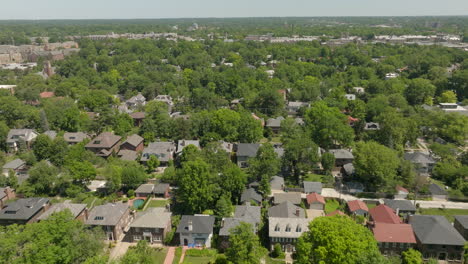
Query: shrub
x,y
277,251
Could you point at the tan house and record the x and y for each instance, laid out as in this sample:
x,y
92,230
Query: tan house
x,y
104,145
151,225
114,218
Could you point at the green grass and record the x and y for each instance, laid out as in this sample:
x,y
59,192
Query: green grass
x,y
448,213
159,255
269,260
158,203
177,255
313,177
371,205
198,260
331,205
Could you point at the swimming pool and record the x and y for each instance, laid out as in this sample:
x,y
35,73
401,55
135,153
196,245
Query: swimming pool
x,y
138,203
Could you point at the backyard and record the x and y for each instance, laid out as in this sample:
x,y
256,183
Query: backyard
x,y
158,203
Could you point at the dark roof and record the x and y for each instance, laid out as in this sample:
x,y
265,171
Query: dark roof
x,y
293,197
435,189
107,214
436,230
14,164
277,183
145,188
286,210
402,205
161,188
23,209
134,140
419,158
104,140
75,209
249,195
384,214
155,217
201,224
74,137
247,214
312,187
247,149
463,220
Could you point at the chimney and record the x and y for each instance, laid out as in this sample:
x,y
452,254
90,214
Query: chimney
x,y
397,211
190,225
298,211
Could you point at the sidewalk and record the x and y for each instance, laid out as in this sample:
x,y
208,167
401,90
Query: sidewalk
x,y
170,255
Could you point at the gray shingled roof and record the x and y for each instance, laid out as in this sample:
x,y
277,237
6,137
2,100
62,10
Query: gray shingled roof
x,y
107,214
14,164
419,158
162,150
155,217
436,230
247,149
293,197
247,214
249,195
181,144
23,209
201,224
435,189
134,140
145,188
402,205
277,227
161,188
463,220
286,210
312,187
74,137
18,132
342,154
75,209
277,183
126,154
229,223
274,122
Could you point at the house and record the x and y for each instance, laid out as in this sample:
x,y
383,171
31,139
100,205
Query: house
x,y
138,118
350,97
151,225
371,126
23,211
52,134
196,230
243,213
246,151
286,210
348,169
402,193
125,154
401,207
312,187
383,214
167,99
274,124
181,144
6,193
18,166
164,151
358,207
162,190
96,185
73,138
461,225
113,218
44,95
78,211
359,90
226,146
133,142
293,107
393,239
342,156
250,195
315,201
277,183
104,145
423,163
136,101
286,231
145,190
437,238
292,197
15,136
438,193
336,212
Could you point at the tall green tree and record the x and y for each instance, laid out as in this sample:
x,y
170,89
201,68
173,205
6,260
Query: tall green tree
x,y
244,245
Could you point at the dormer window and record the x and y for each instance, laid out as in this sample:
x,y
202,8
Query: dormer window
x,y
97,142
99,218
298,228
288,228
277,228
72,137
10,212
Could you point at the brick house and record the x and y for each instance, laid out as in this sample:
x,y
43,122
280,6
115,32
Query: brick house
x,y
393,239
6,194
114,219
151,225
104,145
133,142
315,201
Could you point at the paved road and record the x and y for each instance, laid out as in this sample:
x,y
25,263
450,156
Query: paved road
x,y
329,192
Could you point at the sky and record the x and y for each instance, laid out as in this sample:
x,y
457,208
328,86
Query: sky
x,y
126,9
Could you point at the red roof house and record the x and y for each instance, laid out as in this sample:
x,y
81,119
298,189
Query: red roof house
x,y
315,201
358,207
47,94
384,214
336,212
393,238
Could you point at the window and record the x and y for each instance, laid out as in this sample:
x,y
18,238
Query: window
x,y
137,229
99,218
298,228
277,228
97,142
288,228
136,237
158,238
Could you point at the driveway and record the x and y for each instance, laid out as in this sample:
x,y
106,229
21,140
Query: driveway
x,y
120,249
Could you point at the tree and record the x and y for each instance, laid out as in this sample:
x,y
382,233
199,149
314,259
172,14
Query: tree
x,y
328,125
133,175
300,155
225,123
223,207
448,97
233,180
152,163
419,90
376,165
265,163
58,239
197,190
139,254
269,102
42,147
43,178
82,172
411,256
336,240
328,161
244,245
249,130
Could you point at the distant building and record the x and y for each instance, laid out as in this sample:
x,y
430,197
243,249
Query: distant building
x,y
292,197
315,201
383,214
164,151
438,193
16,135
18,166
133,142
78,211
113,218
342,156
312,187
6,193
23,211
423,162
181,144
104,145
246,151
358,207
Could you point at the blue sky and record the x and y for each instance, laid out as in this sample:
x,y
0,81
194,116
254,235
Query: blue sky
x,y
83,9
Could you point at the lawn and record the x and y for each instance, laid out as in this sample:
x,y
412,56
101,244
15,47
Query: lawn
x,y
158,203
448,213
177,255
269,260
198,260
331,205
159,255
371,205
